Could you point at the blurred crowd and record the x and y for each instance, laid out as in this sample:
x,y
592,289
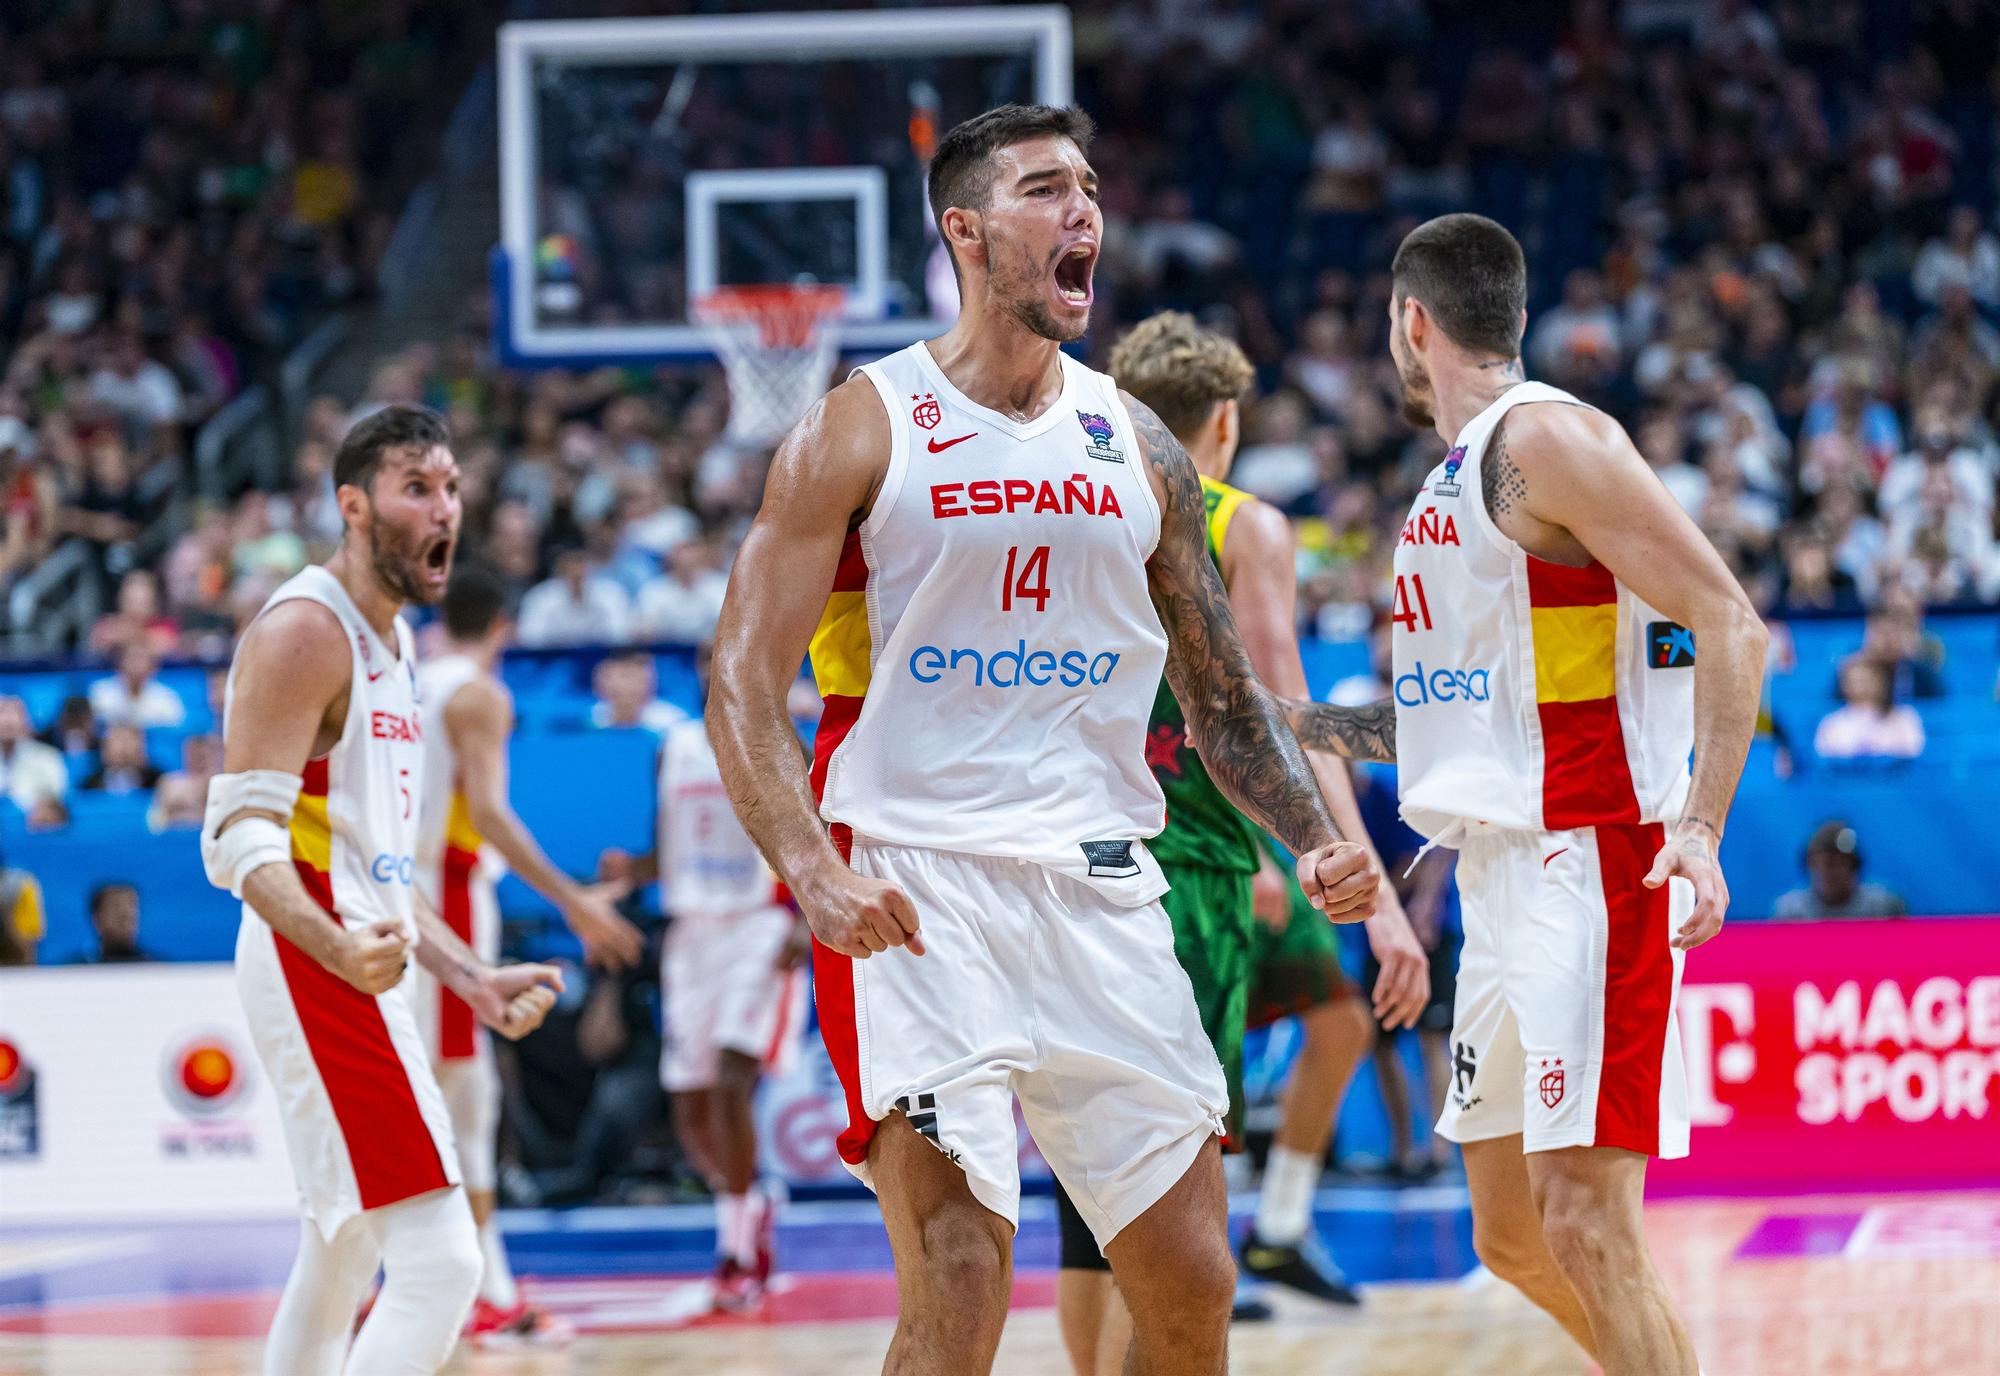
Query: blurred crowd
x,y
1762,235
186,186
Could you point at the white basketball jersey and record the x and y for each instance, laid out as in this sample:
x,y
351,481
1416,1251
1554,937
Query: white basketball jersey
x,y
1529,695
354,827
446,821
990,653
708,863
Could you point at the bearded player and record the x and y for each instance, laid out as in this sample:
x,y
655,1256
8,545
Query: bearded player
x,y
1015,552
469,837
1251,958
313,824
1563,637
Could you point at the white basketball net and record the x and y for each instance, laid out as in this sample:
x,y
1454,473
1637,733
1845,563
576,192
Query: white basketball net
x,y
778,344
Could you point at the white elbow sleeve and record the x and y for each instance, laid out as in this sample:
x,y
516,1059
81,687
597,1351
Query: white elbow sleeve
x,y
230,853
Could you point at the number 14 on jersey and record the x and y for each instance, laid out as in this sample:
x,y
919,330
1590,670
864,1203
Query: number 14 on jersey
x,y
1030,583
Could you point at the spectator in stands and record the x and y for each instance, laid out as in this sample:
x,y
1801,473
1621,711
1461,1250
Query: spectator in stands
x,y
28,501
1577,344
138,617
1896,639
114,914
1833,862
179,801
75,730
21,920
1964,255
576,607
626,687
134,694
684,600
106,509
1869,724
140,389
122,764
32,775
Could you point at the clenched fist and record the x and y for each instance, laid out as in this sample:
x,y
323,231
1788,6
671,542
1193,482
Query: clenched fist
x,y
374,957
1340,879
858,916
513,999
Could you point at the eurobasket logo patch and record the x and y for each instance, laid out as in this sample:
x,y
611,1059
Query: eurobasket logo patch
x,y
1447,484
1101,434
1669,645
20,1121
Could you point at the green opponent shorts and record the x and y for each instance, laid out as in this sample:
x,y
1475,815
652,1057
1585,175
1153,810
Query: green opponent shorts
x,y
1213,924
1297,968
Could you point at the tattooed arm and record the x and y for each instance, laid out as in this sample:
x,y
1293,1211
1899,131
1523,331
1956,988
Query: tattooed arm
x,y
1358,733
1235,722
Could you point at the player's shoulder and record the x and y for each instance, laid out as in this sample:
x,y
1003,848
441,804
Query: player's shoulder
x,y
300,635
479,696
850,419
1254,525
1554,429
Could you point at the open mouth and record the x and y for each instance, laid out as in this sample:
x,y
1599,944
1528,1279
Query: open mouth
x,y
1072,274
437,556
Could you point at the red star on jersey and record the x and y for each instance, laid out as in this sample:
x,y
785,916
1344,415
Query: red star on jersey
x,y
1163,748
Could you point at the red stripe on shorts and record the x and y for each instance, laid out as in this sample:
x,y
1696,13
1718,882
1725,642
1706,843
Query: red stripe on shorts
x,y
458,1029
833,992
388,1142
1638,989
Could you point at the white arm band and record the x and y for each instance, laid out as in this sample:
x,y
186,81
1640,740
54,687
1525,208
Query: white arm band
x,y
230,854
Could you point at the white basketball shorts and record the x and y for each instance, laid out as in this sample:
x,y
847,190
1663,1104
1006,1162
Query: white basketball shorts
x,y
1035,986
723,991
1563,1029
365,1122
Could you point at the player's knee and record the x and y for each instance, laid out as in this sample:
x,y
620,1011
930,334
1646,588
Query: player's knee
x,y
1583,1237
1208,1271
966,1264
1516,1255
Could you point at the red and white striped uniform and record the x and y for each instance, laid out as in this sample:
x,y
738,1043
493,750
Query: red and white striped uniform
x,y
1544,719
365,1122
459,874
719,962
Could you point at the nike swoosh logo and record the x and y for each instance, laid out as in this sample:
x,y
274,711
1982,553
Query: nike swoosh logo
x,y
937,448
374,674
1552,855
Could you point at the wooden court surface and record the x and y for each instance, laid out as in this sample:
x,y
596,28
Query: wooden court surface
x,y
1846,1314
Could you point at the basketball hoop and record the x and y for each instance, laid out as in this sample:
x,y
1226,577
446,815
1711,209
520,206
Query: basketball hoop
x,y
778,342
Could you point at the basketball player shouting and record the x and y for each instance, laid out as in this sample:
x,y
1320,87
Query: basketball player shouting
x,y
1015,552
468,837
1542,720
313,823
1247,969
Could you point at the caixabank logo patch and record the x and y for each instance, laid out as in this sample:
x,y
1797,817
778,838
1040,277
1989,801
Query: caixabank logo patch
x,y
20,1119
207,1077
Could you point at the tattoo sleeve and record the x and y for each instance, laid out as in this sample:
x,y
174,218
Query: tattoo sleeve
x,y
1500,480
1234,721
1357,733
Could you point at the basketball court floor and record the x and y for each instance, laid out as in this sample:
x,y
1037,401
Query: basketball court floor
x,y
1831,1286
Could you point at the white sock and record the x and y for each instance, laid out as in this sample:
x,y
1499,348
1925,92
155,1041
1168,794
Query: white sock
x,y
496,1285
728,1224
1284,1210
749,1223
430,1269
1236,1170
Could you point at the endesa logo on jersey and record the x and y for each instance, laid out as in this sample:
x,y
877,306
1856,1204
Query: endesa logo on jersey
x,y
386,868
1424,687
1018,667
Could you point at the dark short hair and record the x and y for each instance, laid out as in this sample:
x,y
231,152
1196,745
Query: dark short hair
x,y
475,598
392,427
1471,276
962,168
106,889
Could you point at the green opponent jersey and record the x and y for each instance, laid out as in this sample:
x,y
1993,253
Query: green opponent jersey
x,y
1203,827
